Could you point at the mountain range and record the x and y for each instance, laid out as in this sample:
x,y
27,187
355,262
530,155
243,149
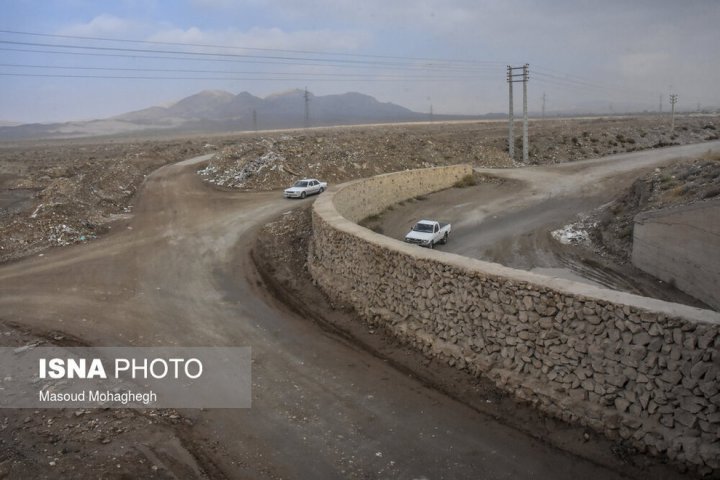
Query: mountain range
x,y
222,111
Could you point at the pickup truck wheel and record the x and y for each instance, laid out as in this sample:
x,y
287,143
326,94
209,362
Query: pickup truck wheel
x,y
445,239
322,189
303,195
432,245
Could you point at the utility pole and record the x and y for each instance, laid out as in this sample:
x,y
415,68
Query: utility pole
x,y
543,105
526,77
511,118
512,78
673,101
660,107
307,108
431,113
255,120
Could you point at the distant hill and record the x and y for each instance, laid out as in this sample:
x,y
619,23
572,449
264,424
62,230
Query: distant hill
x,y
218,110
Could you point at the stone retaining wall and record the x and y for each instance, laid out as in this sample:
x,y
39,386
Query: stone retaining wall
x,y
634,368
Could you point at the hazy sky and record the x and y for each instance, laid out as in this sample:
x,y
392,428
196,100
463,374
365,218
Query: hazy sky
x,y
599,54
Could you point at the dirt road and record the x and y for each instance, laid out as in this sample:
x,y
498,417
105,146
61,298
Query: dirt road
x,y
510,222
179,273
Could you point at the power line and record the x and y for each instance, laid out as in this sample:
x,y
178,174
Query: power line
x,y
544,75
556,78
224,60
358,64
311,52
176,52
269,79
236,56
136,57
234,72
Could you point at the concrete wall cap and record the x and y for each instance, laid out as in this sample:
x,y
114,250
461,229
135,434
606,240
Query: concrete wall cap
x,y
662,212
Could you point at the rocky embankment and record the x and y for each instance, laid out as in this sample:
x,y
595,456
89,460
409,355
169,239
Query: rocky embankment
x,y
681,183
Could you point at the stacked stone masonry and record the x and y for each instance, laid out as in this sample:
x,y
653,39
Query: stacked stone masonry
x,y
638,369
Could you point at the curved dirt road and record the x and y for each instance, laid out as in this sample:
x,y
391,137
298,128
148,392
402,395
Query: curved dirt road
x,y
179,274
509,223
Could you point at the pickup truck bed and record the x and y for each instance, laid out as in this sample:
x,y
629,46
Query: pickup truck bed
x,y
427,233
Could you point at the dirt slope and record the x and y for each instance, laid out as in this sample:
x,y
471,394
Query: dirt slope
x,y
681,183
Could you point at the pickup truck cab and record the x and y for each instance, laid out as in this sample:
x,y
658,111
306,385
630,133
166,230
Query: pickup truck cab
x,y
303,188
427,233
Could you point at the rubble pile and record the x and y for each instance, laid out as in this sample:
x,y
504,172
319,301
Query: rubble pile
x,y
248,160
558,141
77,191
272,162
574,233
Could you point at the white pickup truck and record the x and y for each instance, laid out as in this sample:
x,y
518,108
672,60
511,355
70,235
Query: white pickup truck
x,y
427,233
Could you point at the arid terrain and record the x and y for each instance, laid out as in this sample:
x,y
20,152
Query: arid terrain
x,y
55,193
170,256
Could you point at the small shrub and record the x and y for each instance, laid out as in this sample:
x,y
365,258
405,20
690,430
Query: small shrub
x,y
679,191
466,181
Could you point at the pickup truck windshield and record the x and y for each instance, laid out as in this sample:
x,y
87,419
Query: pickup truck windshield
x,y
300,184
423,227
